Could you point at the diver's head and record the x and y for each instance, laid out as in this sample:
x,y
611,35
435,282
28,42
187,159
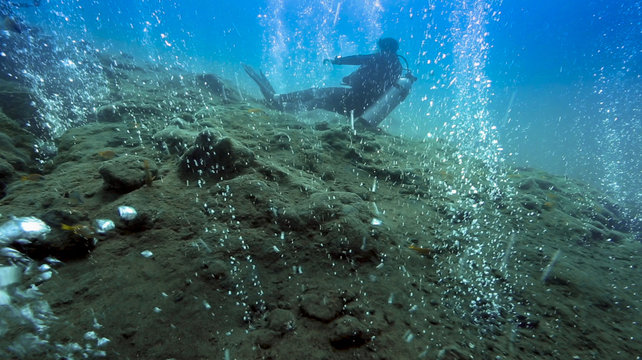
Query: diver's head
x,y
388,45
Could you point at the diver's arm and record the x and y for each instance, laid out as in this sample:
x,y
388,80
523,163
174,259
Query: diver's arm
x,y
354,60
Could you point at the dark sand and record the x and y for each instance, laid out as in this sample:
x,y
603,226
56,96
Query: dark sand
x,y
266,240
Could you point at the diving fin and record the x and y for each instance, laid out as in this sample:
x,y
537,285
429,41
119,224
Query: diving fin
x,y
264,85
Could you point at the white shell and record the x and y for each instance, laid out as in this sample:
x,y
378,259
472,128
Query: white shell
x,y
147,253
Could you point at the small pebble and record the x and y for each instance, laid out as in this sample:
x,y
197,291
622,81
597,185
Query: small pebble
x,y
127,212
104,225
44,267
102,341
45,276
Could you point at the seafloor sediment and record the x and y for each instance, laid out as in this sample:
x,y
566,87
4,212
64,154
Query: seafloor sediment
x,y
274,236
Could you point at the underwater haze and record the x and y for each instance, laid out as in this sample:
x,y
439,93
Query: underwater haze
x,y
154,205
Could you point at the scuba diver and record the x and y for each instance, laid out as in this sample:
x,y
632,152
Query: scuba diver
x,y
370,93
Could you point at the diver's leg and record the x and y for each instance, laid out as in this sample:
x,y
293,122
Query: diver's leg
x,y
336,99
264,85
297,97
331,99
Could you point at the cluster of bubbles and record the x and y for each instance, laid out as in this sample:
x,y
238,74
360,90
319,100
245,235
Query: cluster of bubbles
x,y
617,92
479,188
607,114
248,289
60,67
67,89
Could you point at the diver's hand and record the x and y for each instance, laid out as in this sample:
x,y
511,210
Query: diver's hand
x,y
328,61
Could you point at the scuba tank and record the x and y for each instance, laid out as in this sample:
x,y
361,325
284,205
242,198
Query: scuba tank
x,y
397,93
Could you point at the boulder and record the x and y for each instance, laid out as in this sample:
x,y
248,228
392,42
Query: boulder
x,y
128,173
281,321
321,306
215,155
121,111
347,332
173,139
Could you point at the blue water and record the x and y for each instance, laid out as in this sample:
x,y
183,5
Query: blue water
x,y
550,84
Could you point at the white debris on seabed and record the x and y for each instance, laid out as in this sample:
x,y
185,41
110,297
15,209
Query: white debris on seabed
x,y
104,225
391,298
147,253
376,209
127,213
44,267
5,299
408,336
21,304
22,228
96,325
24,309
102,341
44,276
99,353
53,261
8,275
551,265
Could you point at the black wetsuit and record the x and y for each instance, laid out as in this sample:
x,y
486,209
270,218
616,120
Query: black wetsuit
x,y
376,74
